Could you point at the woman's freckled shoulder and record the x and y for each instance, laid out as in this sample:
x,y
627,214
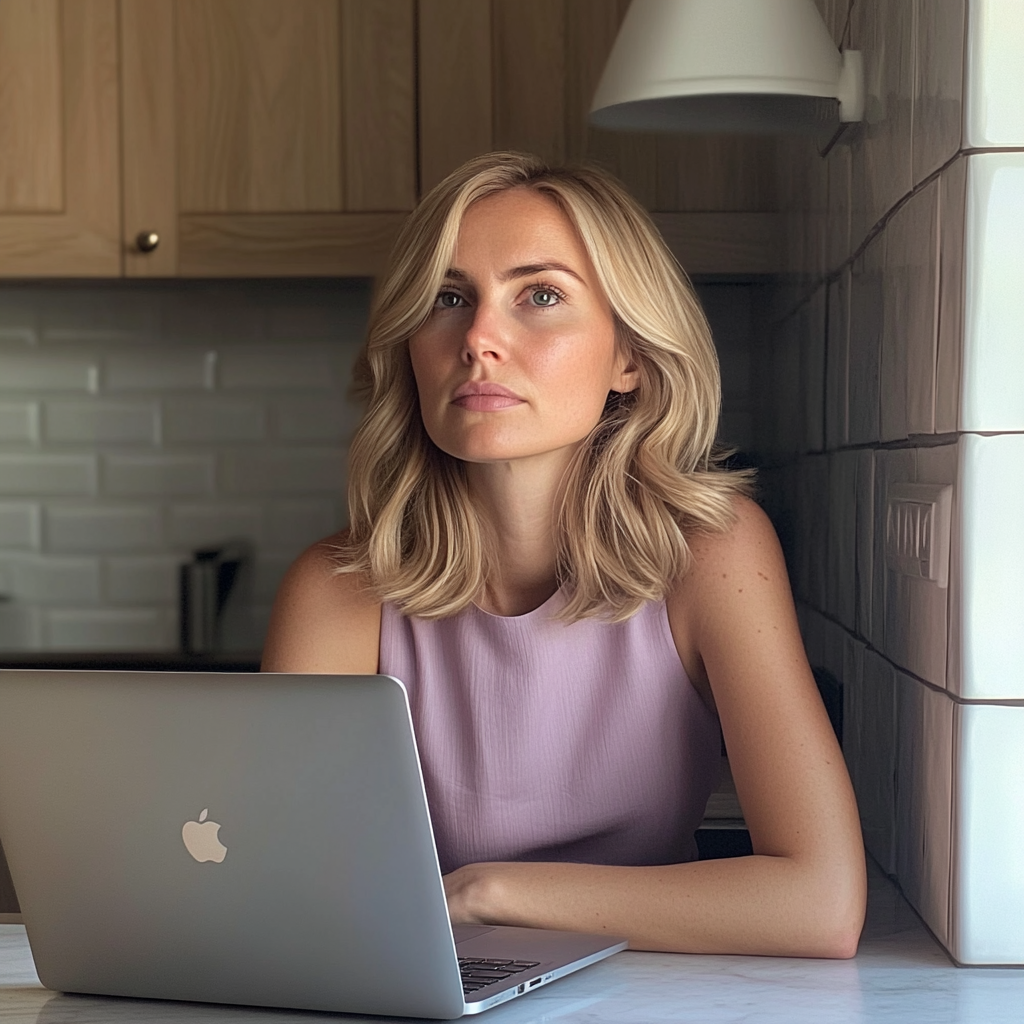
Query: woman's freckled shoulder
x,y
748,549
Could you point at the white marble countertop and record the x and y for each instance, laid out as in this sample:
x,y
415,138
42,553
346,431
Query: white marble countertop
x,y
900,975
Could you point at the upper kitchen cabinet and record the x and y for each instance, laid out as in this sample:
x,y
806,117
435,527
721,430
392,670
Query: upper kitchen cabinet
x,y
59,167
265,137
520,74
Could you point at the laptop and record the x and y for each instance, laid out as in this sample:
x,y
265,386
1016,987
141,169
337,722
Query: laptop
x,y
250,838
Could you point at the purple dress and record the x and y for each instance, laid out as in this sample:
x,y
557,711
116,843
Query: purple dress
x,y
546,741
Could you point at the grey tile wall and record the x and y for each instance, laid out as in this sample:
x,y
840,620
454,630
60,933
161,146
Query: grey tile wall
x,y
922,367
138,422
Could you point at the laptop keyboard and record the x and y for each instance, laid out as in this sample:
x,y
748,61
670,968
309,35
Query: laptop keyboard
x,y
478,973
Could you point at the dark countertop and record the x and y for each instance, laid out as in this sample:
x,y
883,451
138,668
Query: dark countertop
x,y
134,661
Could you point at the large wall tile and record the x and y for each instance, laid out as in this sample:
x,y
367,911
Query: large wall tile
x,y
994,114
924,806
838,227
812,529
991,548
812,326
837,362
952,205
874,729
866,312
865,553
988,870
842,537
882,166
993,357
938,83
907,375
921,220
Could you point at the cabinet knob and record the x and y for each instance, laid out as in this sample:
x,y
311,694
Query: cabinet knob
x,y
147,241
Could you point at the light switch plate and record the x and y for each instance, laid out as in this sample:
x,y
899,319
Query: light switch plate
x,y
917,531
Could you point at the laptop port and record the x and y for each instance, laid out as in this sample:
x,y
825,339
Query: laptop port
x,y
536,981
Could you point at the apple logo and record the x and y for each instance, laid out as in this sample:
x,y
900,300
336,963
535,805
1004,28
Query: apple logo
x,y
201,840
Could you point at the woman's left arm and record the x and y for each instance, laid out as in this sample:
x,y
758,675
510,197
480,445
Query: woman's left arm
x,y
802,892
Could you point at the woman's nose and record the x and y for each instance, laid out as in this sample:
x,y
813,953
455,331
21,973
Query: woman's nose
x,y
484,340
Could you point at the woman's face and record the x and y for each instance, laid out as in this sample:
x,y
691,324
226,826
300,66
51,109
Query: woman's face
x,y
518,355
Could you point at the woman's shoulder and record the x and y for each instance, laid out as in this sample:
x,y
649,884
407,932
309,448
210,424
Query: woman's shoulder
x,y
323,620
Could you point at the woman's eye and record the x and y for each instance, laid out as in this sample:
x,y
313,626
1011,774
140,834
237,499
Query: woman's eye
x,y
448,300
545,297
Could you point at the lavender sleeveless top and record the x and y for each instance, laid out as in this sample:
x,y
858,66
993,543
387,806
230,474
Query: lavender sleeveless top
x,y
546,741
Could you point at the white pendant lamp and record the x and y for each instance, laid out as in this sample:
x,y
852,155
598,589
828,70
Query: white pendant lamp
x,y
727,66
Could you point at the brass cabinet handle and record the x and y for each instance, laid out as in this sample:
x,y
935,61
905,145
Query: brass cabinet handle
x,y
147,241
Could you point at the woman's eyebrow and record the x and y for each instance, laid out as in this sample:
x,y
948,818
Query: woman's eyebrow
x,y
527,270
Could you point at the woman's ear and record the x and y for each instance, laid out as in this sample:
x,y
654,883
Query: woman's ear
x,y
626,377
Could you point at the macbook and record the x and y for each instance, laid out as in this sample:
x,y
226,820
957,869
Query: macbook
x,y
243,838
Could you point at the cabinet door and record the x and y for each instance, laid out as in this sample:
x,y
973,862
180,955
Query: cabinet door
x,y
59,173
266,137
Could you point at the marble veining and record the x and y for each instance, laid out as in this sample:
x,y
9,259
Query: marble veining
x,y
900,974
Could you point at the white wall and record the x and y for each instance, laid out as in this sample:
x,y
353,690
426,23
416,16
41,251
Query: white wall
x,y
138,422
896,354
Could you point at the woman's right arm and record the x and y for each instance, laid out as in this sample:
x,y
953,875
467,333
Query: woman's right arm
x,y
322,621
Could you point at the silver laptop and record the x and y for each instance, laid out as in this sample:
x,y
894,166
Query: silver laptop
x,y
243,838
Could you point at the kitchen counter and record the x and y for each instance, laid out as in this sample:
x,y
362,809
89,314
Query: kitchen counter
x,y
134,661
899,975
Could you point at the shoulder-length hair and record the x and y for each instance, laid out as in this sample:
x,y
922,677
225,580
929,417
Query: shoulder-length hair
x,y
646,476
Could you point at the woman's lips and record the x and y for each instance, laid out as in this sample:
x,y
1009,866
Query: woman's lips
x,y
479,396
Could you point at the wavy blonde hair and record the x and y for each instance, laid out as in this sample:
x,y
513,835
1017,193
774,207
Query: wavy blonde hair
x,y
647,474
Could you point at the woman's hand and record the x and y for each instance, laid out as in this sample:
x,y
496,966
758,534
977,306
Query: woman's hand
x,y
473,893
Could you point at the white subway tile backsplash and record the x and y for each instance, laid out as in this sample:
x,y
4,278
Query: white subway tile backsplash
x,y
99,421
993,112
316,419
102,528
141,579
157,475
282,368
196,526
49,580
109,629
938,82
993,356
214,419
19,525
283,471
991,502
160,370
988,881
296,524
19,421
924,800
97,316
112,394
41,371
38,476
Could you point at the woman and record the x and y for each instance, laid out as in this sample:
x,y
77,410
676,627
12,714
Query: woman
x,y
544,548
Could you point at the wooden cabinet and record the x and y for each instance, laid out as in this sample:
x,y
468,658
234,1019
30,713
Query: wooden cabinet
x,y
266,137
291,137
520,74
59,157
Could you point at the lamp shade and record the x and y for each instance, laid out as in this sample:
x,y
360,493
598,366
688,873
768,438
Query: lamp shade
x,y
726,65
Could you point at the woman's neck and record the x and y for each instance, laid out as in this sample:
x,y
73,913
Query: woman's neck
x,y
517,502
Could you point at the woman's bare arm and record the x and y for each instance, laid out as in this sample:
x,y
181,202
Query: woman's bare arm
x,y
802,893
322,622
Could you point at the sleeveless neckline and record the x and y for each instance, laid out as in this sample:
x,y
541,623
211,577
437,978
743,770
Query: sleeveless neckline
x,y
557,598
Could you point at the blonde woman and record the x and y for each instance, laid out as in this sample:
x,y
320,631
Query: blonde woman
x,y
544,548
